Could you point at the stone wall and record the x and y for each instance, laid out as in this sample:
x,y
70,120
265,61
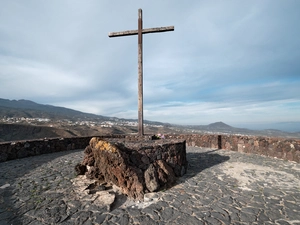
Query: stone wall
x,y
287,149
21,149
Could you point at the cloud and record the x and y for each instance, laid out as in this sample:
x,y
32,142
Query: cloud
x,y
230,61
232,113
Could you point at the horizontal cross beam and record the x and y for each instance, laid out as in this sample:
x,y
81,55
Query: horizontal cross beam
x,y
139,32
144,31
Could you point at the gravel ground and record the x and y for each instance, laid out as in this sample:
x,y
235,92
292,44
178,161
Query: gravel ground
x,y
220,187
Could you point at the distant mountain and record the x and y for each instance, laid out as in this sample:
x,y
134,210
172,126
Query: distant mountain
x,y
219,126
287,126
213,127
29,109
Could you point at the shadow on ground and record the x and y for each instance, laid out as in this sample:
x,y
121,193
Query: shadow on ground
x,y
199,161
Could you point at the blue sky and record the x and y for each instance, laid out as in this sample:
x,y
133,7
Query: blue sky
x,y
232,61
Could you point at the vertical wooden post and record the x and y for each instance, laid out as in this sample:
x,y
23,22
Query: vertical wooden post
x,y
140,74
140,31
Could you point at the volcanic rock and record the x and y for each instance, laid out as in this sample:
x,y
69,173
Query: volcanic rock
x,y
136,167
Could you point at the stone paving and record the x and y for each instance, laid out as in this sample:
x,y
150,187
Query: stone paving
x,y
220,187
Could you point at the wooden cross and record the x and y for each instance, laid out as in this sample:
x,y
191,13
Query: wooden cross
x,y
140,31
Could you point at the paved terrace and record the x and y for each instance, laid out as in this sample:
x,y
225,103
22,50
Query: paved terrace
x,y
220,187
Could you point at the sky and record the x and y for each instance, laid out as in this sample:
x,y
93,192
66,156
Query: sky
x,y
232,61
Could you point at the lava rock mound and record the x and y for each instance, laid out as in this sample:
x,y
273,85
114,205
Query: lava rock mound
x,y
135,166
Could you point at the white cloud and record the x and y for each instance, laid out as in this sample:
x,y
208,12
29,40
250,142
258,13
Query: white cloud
x,y
231,61
229,112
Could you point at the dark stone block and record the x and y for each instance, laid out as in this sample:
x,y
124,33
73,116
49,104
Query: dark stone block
x,y
80,169
133,166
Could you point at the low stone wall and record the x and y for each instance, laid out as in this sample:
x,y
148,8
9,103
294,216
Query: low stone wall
x,y
22,149
286,149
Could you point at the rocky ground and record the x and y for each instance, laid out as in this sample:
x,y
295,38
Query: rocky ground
x,y
220,187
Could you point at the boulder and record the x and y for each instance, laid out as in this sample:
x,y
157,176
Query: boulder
x,y
136,167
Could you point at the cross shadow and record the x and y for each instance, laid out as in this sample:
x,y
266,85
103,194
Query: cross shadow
x,y
199,161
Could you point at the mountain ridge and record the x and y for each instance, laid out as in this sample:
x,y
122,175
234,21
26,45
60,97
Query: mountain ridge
x,y
41,109
30,109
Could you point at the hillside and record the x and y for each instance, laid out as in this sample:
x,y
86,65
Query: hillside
x,y
29,109
23,119
10,132
17,132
